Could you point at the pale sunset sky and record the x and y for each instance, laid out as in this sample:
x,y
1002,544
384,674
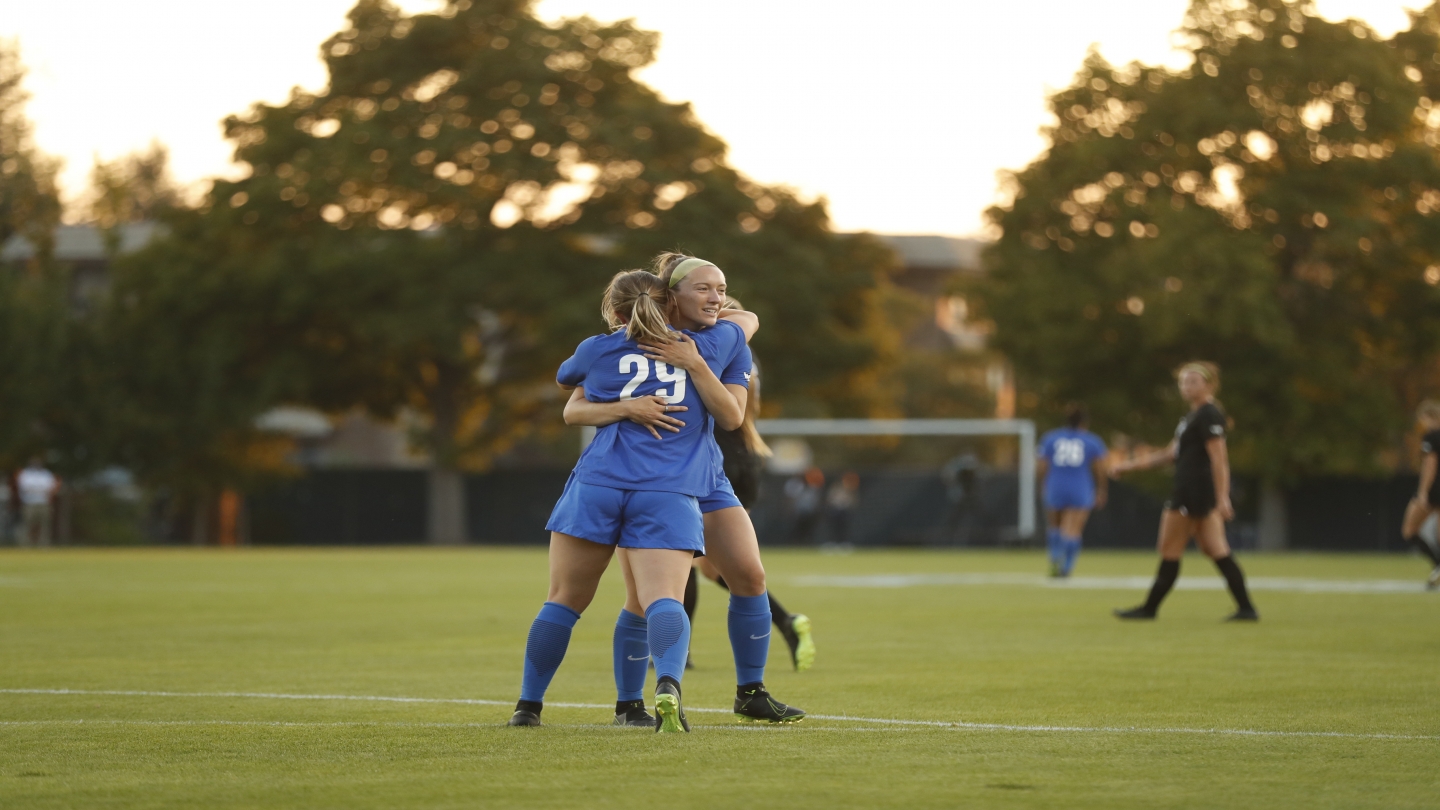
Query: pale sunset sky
x,y
900,120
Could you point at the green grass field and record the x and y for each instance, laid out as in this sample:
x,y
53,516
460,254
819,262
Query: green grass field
x,y
1136,705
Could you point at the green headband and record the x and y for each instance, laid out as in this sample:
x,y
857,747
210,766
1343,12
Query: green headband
x,y
1198,369
684,269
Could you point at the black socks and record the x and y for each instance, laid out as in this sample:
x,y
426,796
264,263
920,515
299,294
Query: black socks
x,y
692,594
777,612
1424,547
1165,578
1235,578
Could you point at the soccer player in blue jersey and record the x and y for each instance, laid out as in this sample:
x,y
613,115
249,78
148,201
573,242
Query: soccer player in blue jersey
x,y
696,300
633,492
1072,462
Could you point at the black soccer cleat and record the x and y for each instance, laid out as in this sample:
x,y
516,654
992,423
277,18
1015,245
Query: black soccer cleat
x,y
527,713
1244,615
669,714
632,713
754,705
1139,612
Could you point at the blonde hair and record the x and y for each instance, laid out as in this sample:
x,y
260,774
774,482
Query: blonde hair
x,y
1206,369
748,432
634,302
1429,409
664,264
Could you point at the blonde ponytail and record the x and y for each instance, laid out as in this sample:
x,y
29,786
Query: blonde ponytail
x,y
634,301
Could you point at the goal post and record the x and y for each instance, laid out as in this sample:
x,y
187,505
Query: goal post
x,y
1023,429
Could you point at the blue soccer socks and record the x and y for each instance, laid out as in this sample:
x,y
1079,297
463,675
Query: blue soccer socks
x,y
669,636
1070,549
749,623
632,656
545,649
1054,550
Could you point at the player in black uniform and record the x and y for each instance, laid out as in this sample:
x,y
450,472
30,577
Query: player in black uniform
x,y
1200,503
1427,497
745,453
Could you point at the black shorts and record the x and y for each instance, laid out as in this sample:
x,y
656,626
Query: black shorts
x,y
744,475
1192,502
1433,497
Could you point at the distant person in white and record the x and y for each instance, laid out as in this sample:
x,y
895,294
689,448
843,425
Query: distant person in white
x,y
37,486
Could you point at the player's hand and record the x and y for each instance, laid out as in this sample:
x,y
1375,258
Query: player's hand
x,y
680,352
654,412
1101,498
1226,510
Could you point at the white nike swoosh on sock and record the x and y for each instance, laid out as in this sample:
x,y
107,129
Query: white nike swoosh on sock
x,y
757,638
628,658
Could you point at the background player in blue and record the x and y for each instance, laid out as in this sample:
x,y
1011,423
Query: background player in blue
x,y
1072,462
631,491
696,299
1427,497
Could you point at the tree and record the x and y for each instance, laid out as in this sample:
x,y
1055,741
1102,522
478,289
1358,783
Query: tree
x,y
449,208
34,324
1271,208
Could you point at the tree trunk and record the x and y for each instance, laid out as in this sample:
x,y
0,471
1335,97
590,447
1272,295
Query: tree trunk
x,y
1274,520
200,521
446,518
445,524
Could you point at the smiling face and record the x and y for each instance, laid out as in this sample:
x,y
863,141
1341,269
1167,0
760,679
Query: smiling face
x,y
697,298
1194,387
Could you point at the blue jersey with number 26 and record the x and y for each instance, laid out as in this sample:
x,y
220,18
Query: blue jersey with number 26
x,y
624,455
1070,452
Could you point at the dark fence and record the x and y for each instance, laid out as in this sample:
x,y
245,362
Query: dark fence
x,y
1346,514
341,508
892,508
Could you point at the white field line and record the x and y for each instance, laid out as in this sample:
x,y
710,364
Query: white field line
x,y
1205,583
881,721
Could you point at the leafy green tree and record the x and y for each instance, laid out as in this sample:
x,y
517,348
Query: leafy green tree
x,y
447,211
1272,208
134,188
34,323
29,202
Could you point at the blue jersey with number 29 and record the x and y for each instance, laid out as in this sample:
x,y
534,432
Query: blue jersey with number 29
x,y
624,455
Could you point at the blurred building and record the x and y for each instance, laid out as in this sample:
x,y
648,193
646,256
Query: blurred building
x,y
84,249
931,269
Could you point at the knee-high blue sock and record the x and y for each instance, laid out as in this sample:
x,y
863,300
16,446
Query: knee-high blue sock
x,y
749,624
669,636
1052,545
632,656
1071,546
545,649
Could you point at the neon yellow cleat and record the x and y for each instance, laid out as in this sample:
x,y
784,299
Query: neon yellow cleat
x,y
804,649
669,715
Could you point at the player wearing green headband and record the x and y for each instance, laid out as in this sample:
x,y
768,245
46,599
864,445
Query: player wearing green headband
x,y
696,302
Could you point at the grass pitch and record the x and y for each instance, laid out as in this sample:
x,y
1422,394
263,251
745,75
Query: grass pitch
x,y
1087,711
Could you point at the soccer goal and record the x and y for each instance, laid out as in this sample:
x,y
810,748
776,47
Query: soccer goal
x,y
1022,429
